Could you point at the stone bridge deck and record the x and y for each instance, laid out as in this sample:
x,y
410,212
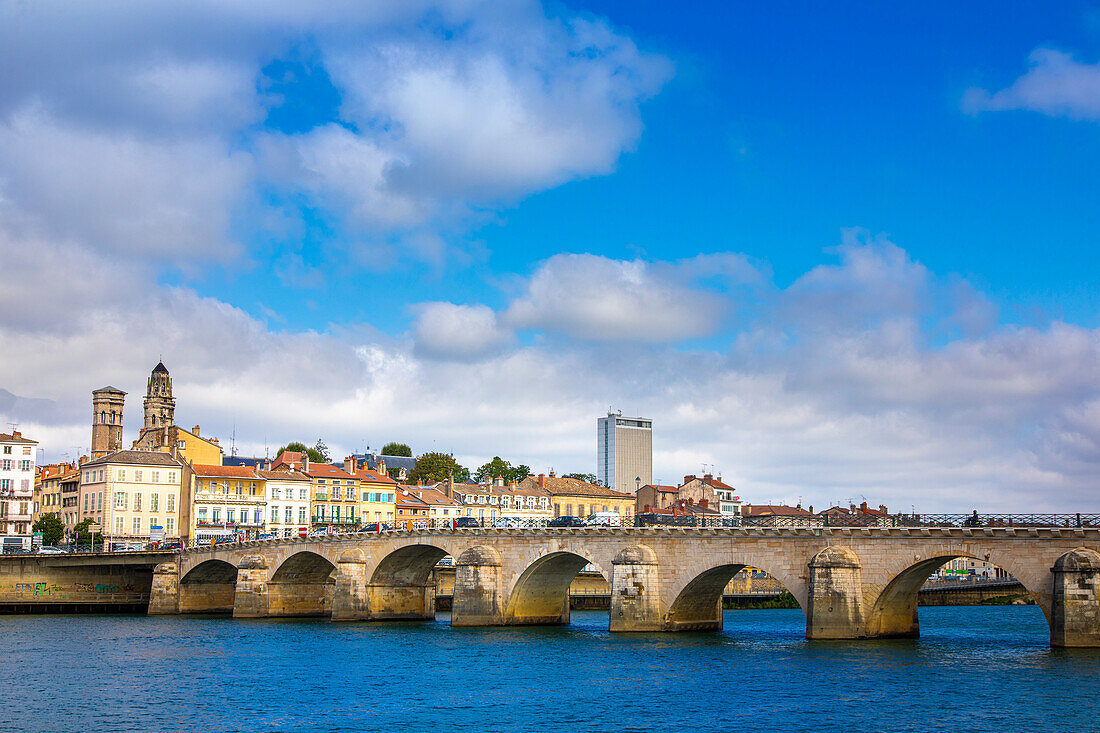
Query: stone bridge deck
x,y
850,582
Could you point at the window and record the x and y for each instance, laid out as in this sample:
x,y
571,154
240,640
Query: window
x,y
301,515
85,502
303,494
122,474
169,525
118,525
137,475
5,484
25,465
257,516
275,493
171,502
6,465
238,487
289,515
274,515
171,477
154,502
202,514
7,450
156,477
230,516
120,500
137,502
153,523
101,474
252,488
137,525
216,516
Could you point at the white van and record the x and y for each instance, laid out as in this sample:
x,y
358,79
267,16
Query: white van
x,y
604,519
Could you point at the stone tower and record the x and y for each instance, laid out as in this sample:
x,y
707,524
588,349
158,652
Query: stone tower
x,y
160,406
107,420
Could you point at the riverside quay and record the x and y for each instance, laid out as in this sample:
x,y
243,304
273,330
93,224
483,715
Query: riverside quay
x,y
852,583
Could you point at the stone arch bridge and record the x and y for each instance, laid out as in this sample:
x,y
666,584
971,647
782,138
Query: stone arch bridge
x,y
851,582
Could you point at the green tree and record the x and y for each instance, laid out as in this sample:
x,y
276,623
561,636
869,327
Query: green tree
x,y
436,467
502,468
590,478
311,453
397,449
83,536
51,527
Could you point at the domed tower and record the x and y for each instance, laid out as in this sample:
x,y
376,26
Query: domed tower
x,y
160,406
107,420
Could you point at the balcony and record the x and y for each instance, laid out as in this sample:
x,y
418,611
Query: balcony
x,y
321,519
210,523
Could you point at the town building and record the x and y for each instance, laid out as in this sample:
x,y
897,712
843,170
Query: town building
x,y
396,467
778,515
133,493
577,498
856,516
16,491
712,491
442,509
335,499
377,492
70,495
159,431
288,502
654,497
412,511
48,483
107,403
226,501
624,452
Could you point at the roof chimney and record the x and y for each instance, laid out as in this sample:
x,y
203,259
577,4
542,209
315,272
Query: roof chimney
x,y
708,477
689,478
552,474
542,479
349,465
16,434
863,507
305,463
195,430
811,508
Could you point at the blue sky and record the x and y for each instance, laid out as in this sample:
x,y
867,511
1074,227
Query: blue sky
x,y
777,130
833,250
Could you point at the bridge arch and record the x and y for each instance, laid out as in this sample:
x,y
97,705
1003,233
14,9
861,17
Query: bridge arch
x,y
209,587
540,594
401,586
893,612
302,585
696,591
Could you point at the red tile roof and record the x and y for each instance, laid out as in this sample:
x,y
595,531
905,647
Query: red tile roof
x,y
203,469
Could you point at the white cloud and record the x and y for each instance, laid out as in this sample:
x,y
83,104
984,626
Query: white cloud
x,y
458,332
1056,84
600,299
118,193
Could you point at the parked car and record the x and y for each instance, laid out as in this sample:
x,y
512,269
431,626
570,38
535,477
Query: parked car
x,y
265,536
50,550
507,523
466,522
604,519
374,527
322,532
173,545
565,521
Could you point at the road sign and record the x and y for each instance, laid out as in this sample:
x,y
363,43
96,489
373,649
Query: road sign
x,y
94,528
156,533
36,539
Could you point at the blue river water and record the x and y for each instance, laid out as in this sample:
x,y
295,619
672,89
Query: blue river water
x,y
973,669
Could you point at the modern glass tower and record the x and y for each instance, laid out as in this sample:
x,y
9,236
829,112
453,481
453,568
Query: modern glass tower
x,y
624,452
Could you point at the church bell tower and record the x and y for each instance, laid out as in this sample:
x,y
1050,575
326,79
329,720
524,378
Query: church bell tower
x,y
160,406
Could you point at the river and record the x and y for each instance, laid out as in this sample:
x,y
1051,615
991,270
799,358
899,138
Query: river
x,y
973,669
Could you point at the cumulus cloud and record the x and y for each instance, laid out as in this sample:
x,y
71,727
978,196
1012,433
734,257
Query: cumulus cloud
x,y
1055,84
600,299
457,332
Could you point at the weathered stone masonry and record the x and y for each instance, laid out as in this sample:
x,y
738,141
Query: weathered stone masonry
x,y
851,582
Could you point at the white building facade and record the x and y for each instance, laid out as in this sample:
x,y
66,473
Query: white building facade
x,y
624,452
16,491
288,495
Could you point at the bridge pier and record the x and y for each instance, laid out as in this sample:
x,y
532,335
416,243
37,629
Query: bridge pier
x,y
635,593
1075,602
478,596
251,597
413,602
351,596
164,595
835,607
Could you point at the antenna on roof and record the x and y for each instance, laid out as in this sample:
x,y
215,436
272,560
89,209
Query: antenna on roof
x,y
13,425
233,441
